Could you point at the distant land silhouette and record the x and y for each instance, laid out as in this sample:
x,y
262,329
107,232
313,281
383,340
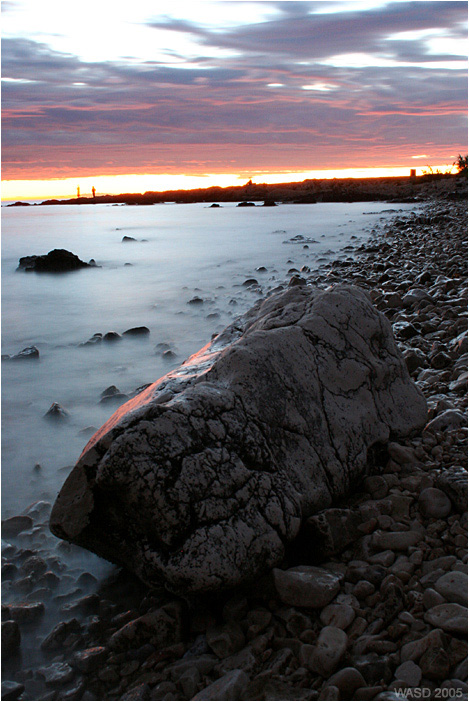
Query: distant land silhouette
x,y
398,189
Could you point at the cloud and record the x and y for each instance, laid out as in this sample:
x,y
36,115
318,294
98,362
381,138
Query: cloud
x,y
221,111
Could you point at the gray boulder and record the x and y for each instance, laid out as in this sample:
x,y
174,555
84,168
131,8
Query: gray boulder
x,y
202,480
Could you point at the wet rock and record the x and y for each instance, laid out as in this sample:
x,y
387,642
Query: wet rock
x,y
338,615
11,638
30,353
137,331
226,639
250,281
56,261
15,525
453,482
195,301
257,487
435,664
11,690
112,336
23,612
409,673
56,674
451,419
347,681
57,414
90,659
56,638
160,628
128,238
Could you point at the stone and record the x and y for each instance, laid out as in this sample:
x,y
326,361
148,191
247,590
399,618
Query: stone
x,y
139,692
453,587
328,652
59,633
347,680
112,336
161,628
226,639
449,617
24,612
413,650
11,690
306,586
137,331
30,353
435,664
229,687
56,261
15,525
325,534
208,514
395,540
56,674
409,673
338,615
450,419
453,482
90,659
434,503
11,638
57,414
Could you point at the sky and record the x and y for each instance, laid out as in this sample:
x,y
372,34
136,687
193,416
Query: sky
x,y
151,95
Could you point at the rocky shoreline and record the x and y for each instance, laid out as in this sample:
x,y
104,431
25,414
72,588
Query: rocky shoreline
x,y
392,617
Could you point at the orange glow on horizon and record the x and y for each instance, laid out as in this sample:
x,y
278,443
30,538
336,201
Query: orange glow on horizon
x,y
65,188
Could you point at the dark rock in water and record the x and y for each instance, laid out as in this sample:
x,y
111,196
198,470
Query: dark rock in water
x,y
15,525
56,261
208,474
11,690
11,638
169,355
137,331
246,204
128,238
250,281
269,203
296,280
112,336
215,204
111,390
87,431
117,398
261,269
95,339
92,263
196,301
30,353
56,413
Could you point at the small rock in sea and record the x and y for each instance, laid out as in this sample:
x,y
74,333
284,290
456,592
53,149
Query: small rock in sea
x,y
24,612
90,659
15,525
128,238
118,398
56,261
169,355
261,269
250,281
112,336
246,204
95,339
137,331
109,391
92,263
56,413
56,674
30,353
196,301
215,204
88,431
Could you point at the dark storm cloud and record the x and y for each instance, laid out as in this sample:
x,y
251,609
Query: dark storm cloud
x,y
223,110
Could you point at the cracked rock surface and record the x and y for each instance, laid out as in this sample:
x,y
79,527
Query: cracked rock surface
x,y
202,480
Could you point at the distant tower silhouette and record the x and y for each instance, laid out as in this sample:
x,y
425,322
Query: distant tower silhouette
x,y
78,191
93,191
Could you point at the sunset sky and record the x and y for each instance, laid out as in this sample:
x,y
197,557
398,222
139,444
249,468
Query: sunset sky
x,y
150,95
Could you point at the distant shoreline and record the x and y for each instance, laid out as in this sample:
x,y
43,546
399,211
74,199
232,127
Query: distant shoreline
x,y
388,189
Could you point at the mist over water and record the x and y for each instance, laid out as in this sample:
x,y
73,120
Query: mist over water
x,y
191,250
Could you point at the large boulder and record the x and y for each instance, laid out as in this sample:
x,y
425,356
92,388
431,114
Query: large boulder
x,y
202,479
56,261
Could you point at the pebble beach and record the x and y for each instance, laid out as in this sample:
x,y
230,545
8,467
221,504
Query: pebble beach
x,y
391,618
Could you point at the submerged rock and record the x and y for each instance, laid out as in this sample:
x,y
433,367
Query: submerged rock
x,y
202,480
56,261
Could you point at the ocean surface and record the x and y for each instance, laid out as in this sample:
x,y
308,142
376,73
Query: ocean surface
x,y
182,251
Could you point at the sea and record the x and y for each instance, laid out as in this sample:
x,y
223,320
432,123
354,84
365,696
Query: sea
x,y
180,251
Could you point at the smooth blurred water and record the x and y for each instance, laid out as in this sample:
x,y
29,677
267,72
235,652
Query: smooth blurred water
x,y
190,250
